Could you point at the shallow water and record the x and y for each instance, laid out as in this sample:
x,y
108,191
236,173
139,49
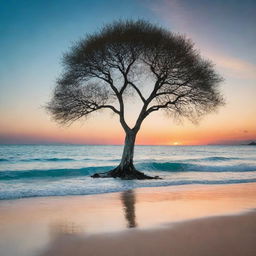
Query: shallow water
x,y
54,170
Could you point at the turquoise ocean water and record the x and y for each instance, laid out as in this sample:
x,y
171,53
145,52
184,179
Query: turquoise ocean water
x,y
58,170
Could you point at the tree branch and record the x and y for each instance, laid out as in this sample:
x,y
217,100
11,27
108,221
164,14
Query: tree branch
x,y
137,90
157,107
125,75
110,107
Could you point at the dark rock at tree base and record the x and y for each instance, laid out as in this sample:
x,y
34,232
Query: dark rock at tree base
x,y
95,175
124,175
253,143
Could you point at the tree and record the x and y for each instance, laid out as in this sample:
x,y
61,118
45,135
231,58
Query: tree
x,y
103,69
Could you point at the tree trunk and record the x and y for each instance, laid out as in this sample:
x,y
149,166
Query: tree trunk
x,y
128,151
126,170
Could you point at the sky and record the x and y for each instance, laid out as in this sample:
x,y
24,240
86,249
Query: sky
x,y
34,34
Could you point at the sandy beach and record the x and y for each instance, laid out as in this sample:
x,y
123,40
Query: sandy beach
x,y
176,220
226,235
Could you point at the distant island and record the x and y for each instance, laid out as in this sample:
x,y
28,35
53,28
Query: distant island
x,y
253,143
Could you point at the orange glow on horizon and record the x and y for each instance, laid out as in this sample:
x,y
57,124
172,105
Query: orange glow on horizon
x,y
116,137
104,129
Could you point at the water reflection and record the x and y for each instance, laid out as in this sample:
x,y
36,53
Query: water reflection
x,y
128,200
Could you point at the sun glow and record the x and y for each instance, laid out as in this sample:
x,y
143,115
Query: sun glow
x,y
176,143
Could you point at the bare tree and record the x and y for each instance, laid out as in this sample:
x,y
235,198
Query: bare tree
x,y
103,69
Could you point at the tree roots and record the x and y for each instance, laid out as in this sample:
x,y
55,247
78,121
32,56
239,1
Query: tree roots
x,y
128,173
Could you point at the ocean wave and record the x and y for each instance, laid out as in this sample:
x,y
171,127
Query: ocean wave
x,y
97,189
216,158
4,160
50,173
54,159
163,166
189,167
144,166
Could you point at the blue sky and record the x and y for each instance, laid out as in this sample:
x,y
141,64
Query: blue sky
x,y
34,34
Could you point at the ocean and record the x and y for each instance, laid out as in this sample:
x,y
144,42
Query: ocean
x,y
59,170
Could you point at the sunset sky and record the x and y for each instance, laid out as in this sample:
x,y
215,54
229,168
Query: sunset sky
x,y
35,33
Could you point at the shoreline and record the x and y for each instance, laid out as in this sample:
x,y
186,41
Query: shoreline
x,y
46,221
164,187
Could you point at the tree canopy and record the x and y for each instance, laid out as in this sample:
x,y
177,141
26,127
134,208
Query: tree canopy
x,y
184,83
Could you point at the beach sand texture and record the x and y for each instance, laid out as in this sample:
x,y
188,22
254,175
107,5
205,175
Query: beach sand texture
x,y
226,235
177,220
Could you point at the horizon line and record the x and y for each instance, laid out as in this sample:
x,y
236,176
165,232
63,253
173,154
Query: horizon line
x,y
87,144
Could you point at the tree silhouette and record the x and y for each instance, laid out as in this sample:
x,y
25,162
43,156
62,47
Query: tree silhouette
x,y
103,69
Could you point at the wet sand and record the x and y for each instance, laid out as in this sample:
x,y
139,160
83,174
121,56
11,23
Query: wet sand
x,y
222,236
177,220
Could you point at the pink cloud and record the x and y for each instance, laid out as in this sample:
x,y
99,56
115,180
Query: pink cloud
x,y
180,18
